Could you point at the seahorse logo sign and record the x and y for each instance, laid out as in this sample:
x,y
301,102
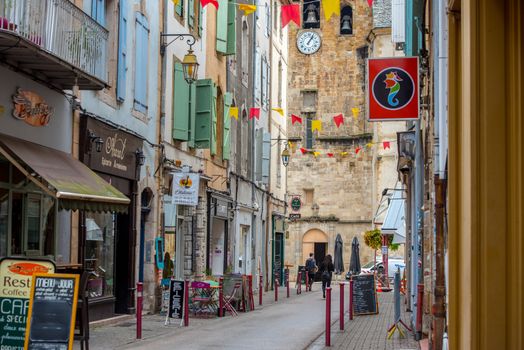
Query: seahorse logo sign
x,y
393,88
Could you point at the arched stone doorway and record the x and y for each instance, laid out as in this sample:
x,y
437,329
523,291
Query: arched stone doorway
x,y
314,241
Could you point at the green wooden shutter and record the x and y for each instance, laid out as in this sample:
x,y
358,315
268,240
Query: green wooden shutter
x,y
221,45
179,9
191,13
214,121
200,18
226,140
192,118
231,29
180,105
205,96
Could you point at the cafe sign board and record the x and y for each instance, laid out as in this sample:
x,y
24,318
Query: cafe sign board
x,y
119,149
31,108
295,203
15,289
185,188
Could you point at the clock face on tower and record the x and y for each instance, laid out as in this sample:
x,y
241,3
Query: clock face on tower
x,y
308,42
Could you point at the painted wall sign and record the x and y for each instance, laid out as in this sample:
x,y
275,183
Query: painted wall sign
x,y
393,89
118,155
15,290
31,108
185,188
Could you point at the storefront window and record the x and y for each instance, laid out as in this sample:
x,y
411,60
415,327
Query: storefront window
x,y
99,255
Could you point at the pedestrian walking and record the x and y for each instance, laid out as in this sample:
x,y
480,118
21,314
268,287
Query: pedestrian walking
x,y
326,270
311,268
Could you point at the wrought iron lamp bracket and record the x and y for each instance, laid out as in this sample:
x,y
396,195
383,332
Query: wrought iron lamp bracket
x,y
190,40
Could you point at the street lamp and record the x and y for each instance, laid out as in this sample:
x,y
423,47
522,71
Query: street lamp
x,y
285,156
190,66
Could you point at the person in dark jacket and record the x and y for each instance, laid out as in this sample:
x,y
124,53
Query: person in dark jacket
x,y
326,269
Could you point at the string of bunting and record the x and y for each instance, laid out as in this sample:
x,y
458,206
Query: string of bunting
x,y
386,144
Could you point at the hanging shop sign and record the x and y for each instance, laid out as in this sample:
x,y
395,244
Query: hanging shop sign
x,y
15,291
393,89
295,203
31,108
185,188
118,153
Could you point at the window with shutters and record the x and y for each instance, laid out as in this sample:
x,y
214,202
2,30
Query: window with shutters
x,y
245,53
122,51
266,156
258,75
268,20
141,64
226,27
191,13
226,135
98,11
183,107
205,114
264,84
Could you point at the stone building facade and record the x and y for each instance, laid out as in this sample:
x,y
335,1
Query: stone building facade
x,y
334,181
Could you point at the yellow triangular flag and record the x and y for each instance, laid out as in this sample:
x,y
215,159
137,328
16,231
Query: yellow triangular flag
x,y
248,9
316,154
278,110
355,111
369,145
331,7
343,154
175,2
316,125
233,112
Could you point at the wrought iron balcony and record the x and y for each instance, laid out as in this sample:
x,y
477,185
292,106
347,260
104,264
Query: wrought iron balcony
x,y
54,42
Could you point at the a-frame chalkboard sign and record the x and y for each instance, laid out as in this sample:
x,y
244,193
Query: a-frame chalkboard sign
x,y
52,312
364,295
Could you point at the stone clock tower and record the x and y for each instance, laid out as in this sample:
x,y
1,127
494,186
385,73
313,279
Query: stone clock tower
x,y
326,77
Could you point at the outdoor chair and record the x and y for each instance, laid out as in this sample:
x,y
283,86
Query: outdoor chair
x,y
82,313
227,300
202,298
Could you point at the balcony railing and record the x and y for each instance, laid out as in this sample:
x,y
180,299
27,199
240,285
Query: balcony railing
x,y
59,28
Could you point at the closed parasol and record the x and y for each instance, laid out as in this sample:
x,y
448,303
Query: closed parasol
x,y
339,251
354,264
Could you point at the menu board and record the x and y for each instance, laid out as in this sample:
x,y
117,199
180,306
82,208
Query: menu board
x,y
364,295
15,289
176,299
52,311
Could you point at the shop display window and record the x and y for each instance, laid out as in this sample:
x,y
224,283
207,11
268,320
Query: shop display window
x,y
99,254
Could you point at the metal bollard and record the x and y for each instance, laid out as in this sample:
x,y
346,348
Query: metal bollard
x,y
351,300
299,285
139,301
328,316
221,297
186,303
261,282
276,286
287,282
341,318
307,281
420,303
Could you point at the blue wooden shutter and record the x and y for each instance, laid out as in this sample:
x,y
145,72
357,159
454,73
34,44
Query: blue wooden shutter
x,y
181,116
259,142
231,46
266,155
226,141
257,75
221,42
205,93
141,51
122,51
191,13
98,10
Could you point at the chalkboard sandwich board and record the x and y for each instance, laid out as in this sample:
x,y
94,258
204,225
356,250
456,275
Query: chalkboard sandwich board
x,y
364,295
176,299
52,311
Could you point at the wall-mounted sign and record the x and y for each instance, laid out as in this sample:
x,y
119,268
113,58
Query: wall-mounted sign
x,y
392,89
15,290
118,155
293,216
406,142
185,188
295,203
31,108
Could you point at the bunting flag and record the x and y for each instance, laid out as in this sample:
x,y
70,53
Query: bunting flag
x,y
386,144
204,3
278,110
370,3
316,125
343,154
295,119
233,112
357,150
254,113
303,150
316,154
339,120
369,145
355,111
290,13
331,7
248,9
175,2
330,155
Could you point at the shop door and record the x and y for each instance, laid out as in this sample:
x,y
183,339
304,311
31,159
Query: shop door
x,y
123,265
279,256
320,254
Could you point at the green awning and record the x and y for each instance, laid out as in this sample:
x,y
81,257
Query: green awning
x,y
63,177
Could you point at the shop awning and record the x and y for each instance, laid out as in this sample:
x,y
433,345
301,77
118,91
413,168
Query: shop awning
x,y
63,177
394,221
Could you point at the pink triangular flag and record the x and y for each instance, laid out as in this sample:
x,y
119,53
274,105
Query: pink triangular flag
x,y
204,3
295,119
254,113
339,119
386,144
290,13
303,150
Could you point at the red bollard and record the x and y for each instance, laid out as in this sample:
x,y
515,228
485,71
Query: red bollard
x,y
276,287
341,319
420,302
251,299
139,299
186,303
350,299
299,284
307,282
260,290
287,282
328,316
221,297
